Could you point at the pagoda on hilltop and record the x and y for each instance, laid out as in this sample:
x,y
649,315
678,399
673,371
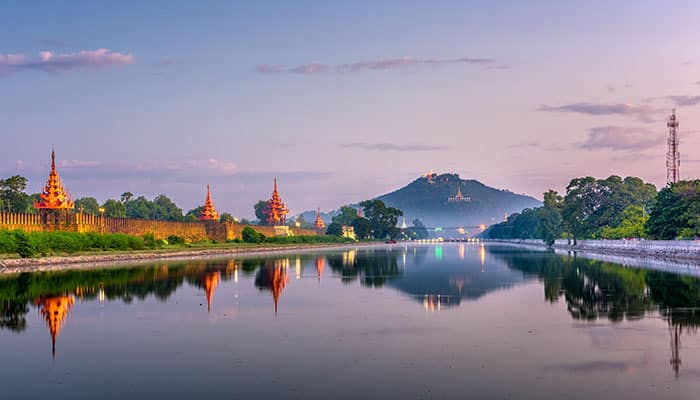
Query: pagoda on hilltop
x,y
54,198
275,211
209,211
319,224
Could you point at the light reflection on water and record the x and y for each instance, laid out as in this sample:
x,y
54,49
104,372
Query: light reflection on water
x,y
451,320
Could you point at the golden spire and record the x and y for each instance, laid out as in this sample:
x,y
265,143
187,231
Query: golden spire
x,y
276,211
54,195
319,224
54,309
210,281
209,211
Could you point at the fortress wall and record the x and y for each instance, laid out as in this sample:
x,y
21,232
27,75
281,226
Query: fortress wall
x,y
22,221
191,231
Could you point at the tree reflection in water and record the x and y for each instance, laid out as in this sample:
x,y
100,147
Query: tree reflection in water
x,y
596,289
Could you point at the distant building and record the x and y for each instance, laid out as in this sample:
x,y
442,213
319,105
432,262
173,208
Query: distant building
x,y
459,198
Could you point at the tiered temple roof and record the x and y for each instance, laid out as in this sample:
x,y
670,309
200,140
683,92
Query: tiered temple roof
x,y
276,211
209,211
54,310
319,224
54,195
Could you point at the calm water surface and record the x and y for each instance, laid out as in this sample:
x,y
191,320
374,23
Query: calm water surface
x,y
448,321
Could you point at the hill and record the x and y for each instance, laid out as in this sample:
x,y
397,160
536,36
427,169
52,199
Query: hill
x,y
435,199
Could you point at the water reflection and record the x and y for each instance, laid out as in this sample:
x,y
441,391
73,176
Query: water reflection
x,y
594,289
54,309
436,280
272,276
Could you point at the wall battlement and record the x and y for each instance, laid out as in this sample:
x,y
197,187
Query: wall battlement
x,y
191,231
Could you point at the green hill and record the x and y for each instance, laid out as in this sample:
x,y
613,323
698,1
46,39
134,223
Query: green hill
x,y
428,198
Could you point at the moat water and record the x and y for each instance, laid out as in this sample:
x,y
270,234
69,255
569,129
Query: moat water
x,y
396,322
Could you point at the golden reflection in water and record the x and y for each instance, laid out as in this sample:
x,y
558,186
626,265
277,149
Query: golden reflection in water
x,y
482,256
297,267
431,302
349,258
461,251
54,310
320,265
279,280
210,281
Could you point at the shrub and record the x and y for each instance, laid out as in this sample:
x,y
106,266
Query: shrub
x,y
8,242
150,241
25,249
176,240
250,235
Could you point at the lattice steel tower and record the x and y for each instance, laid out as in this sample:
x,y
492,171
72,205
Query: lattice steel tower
x,y
673,157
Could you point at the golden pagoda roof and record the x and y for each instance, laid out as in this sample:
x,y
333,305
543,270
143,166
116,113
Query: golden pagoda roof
x,y
54,310
54,195
276,211
209,211
319,221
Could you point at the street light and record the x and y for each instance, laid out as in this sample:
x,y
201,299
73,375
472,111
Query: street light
x,y
102,219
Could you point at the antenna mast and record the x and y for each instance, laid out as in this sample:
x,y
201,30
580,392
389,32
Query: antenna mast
x,y
673,157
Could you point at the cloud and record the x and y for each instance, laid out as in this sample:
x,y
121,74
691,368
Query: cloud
x,y
533,144
392,147
641,112
621,138
684,101
373,65
51,62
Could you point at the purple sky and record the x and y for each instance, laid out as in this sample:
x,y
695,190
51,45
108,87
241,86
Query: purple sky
x,y
343,102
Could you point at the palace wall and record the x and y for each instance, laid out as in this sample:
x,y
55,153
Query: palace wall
x,y
191,231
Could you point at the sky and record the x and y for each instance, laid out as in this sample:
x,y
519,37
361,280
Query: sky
x,y
342,101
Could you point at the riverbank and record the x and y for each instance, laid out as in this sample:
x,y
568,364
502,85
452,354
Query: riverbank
x,y
681,254
91,260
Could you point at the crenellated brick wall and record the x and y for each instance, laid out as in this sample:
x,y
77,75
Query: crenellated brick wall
x,y
191,231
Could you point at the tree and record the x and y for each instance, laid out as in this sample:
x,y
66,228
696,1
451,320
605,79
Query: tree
x,y
226,217
346,216
633,221
362,228
382,219
676,212
126,197
590,204
114,209
259,208
89,205
418,230
12,195
194,214
166,209
334,229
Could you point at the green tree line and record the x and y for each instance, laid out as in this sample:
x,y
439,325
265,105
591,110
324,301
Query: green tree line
x,y
611,208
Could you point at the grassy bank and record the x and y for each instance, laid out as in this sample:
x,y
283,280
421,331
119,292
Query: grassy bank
x,y
15,244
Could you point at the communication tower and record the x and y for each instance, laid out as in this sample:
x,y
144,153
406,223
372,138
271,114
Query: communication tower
x,y
673,156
